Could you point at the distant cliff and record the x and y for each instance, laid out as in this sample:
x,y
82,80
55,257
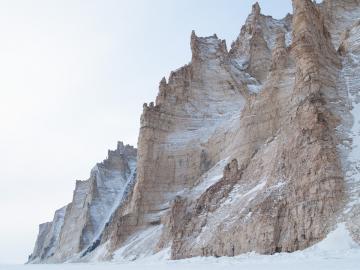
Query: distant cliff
x,y
251,148
77,228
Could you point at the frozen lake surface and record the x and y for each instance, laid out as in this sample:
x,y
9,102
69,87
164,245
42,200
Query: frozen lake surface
x,y
347,261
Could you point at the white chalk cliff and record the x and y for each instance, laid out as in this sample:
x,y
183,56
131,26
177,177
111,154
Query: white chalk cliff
x,y
252,148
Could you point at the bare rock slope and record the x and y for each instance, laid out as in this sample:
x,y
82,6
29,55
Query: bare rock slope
x,y
77,228
254,148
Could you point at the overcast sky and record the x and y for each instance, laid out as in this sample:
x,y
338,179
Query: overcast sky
x,y
74,75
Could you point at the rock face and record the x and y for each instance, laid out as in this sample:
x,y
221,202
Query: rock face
x,y
290,184
251,149
48,238
77,228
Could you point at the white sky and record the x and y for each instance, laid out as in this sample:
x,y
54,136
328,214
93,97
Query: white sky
x,y
73,77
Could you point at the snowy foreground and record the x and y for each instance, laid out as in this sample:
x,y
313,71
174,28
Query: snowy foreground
x,y
337,251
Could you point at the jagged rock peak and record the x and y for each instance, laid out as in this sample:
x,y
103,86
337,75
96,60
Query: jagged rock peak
x,y
207,47
162,82
222,172
119,154
122,149
150,107
252,24
256,10
125,149
253,48
162,92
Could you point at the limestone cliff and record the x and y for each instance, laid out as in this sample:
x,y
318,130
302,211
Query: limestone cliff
x,y
254,148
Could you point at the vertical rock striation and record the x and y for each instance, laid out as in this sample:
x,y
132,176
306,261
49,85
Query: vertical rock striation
x,y
251,149
289,185
48,238
77,228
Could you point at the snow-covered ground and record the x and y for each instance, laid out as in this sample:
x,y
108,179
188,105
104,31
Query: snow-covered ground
x,y
337,251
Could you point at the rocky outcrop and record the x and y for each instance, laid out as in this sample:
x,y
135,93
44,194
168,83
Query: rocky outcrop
x,y
253,48
287,120
290,185
251,149
77,228
48,238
